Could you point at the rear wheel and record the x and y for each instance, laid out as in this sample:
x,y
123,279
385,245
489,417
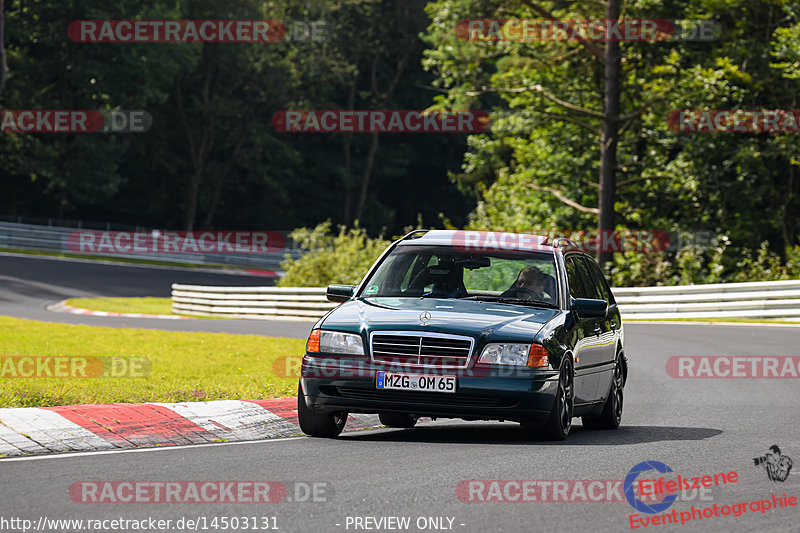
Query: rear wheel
x,y
327,425
612,410
398,420
560,420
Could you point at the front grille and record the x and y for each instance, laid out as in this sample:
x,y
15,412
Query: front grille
x,y
427,398
425,350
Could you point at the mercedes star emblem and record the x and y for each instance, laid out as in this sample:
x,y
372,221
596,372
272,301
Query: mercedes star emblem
x,y
424,318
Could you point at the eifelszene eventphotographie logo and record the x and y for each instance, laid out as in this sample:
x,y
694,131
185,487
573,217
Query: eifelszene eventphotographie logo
x,y
776,464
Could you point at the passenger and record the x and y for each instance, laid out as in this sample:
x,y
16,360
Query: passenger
x,y
532,279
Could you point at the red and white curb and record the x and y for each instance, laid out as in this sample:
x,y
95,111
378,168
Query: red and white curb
x,y
265,273
37,430
62,307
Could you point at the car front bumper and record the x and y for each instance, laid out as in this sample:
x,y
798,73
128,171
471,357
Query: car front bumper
x,y
482,393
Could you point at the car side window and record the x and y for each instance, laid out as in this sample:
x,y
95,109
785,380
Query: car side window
x,y
576,287
588,281
601,283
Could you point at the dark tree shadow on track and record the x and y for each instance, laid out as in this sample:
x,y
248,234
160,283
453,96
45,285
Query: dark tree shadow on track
x,y
487,433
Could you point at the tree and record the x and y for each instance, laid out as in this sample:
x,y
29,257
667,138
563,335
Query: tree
x,y
609,135
533,171
52,72
515,70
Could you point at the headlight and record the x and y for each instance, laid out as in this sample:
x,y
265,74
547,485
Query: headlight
x,y
514,354
336,342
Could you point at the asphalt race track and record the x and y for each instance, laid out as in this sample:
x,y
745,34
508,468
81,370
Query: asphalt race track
x,y
697,427
28,284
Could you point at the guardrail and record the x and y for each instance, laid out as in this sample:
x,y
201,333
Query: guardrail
x,y
272,303
54,239
767,300
762,299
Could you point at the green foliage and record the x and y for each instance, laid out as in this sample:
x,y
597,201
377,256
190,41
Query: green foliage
x,y
341,258
696,265
213,157
540,158
763,265
212,108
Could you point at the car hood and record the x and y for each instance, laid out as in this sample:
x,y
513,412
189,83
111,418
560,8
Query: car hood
x,y
490,320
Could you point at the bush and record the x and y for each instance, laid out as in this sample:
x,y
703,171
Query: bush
x,y
720,263
343,258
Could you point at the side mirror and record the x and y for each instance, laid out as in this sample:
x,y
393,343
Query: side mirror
x,y
340,293
590,308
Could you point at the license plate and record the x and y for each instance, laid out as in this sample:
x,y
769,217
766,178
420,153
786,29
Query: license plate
x,y
416,382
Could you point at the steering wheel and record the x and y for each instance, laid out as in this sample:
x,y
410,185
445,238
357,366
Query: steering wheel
x,y
529,294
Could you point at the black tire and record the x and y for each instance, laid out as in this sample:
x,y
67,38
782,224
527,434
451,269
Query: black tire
x,y
326,425
612,410
398,420
560,420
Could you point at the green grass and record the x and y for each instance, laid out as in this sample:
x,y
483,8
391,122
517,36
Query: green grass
x,y
184,366
149,305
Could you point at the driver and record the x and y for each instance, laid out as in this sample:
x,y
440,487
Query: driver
x,y
532,279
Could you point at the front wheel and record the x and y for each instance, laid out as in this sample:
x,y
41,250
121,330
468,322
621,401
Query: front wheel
x,y
612,410
560,420
326,425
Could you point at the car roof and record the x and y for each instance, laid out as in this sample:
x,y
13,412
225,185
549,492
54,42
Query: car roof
x,y
484,241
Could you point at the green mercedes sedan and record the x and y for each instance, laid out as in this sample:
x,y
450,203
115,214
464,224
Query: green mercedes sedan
x,y
471,325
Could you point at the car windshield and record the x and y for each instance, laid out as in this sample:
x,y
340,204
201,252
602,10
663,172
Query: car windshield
x,y
419,271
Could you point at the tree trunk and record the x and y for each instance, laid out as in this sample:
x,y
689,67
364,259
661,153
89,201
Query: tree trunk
x,y
62,204
787,218
379,99
609,137
212,210
347,144
368,164
191,203
198,151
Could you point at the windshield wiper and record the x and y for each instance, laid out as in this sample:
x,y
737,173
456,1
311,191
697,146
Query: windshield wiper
x,y
507,300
